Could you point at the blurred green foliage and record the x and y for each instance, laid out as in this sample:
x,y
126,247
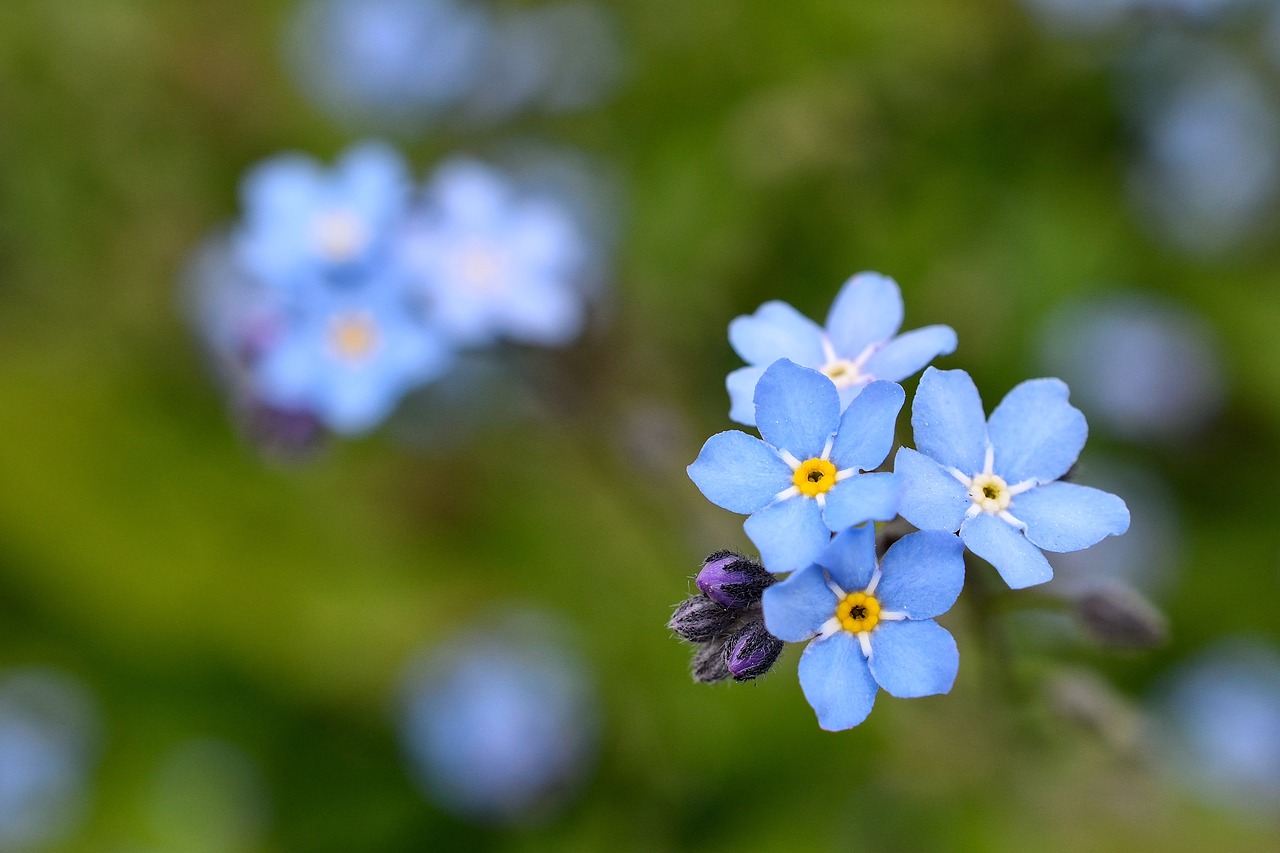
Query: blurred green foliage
x,y
768,150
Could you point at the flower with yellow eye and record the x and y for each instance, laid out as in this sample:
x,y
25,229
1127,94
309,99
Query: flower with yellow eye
x,y
859,344
805,479
872,626
996,481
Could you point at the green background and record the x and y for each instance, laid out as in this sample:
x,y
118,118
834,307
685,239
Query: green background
x,y
767,150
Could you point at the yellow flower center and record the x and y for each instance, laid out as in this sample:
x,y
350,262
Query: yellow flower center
x,y
989,492
815,477
843,372
858,612
353,335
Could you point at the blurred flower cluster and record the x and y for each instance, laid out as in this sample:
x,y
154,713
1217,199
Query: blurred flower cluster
x,y
812,489
340,290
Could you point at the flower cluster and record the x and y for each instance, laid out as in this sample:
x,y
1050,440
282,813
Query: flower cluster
x,y
724,619
826,402
342,289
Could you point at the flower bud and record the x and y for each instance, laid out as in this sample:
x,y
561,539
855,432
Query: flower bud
x,y
1119,616
700,619
732,580
751,651
708,665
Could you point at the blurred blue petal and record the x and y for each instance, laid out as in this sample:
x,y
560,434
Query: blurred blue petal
x,y
1036,433
797,409
868,310
1018,561
1068,517
914,658
911,352
947,420
867,427
837,682
774,331
922,574
741,384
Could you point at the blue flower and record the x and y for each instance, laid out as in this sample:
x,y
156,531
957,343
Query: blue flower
x,y
872,626
301,220
803,481
348,357
495,263
996,480
857,347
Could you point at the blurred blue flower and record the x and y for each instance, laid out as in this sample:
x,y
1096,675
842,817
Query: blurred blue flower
x,y
1222,724
872,626
859,344
804,481
500,723
302,221
996,481
47,728
349,356
1143,366
494,263
395,63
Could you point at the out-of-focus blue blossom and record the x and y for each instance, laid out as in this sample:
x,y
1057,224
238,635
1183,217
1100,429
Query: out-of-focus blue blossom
x,y
349,356
301,220
1222,715
501,723
1141,365
495,263
859,344
805,480
996,480
48,727
1082,16
395,63
872,626
209,796
1208,169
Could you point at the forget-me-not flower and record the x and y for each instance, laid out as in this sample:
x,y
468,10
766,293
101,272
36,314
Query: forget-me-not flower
x,y
859,344
350,356
301,220
872,626
496,263
804,481
996,481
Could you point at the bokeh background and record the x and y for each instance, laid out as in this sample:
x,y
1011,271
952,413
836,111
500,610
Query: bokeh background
x,y
205,648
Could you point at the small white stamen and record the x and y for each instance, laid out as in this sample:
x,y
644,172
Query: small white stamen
x,y
894,615
964,481
845,474
1006,516
1024,486
990,461
865,639
826,448
828,351
833,586
973,511
787,457
875,581
789,492
821,500
830,628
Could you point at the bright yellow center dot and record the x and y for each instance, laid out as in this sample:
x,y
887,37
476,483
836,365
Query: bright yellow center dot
x,y
990,493
843,372
858,612
341,236
815,477
353,335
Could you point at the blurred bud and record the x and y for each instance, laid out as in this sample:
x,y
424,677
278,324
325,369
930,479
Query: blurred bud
x,y
283,434
732,580
1119,616
700,619
1083,698
751,651
708,665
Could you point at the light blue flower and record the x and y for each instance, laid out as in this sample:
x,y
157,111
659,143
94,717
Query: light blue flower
x,y
804,481
859,344
996,481
349,356
495,263
301,220
872,626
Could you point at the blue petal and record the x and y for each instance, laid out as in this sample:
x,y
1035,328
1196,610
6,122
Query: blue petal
x,y
922,574
932,499
914,658
1036,433
850,559
789,534
1002,545
795,609
1066,517
357,403
837,682
911,352
948,422
868,310
867,427
742,394
797,409
739,472
863,497
776,331
286,183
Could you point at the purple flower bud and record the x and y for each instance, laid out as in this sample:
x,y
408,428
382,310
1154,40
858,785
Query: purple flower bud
x,y
751,651
732,580
708,665
700,619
